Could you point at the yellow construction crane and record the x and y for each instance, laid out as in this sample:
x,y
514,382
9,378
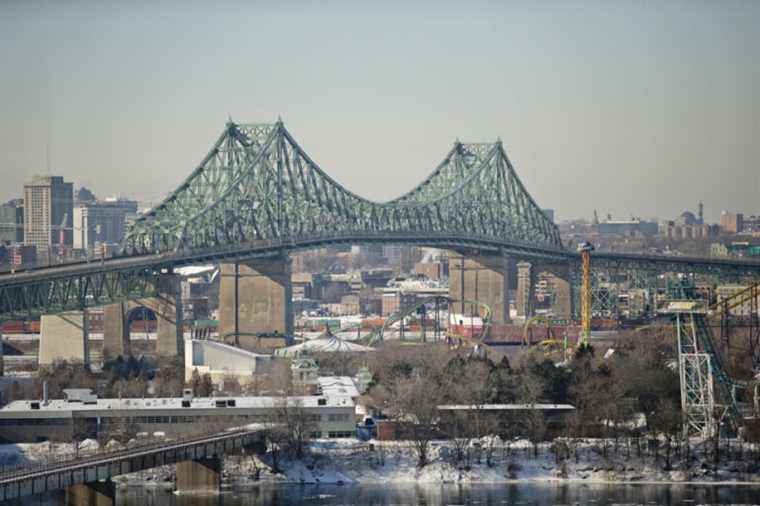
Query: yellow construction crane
x,y
585,250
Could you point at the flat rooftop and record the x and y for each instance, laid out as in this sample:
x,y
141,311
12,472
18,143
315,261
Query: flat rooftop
x,y
507,407
164,403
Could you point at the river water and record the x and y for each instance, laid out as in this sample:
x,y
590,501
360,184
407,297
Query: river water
x,y
476,494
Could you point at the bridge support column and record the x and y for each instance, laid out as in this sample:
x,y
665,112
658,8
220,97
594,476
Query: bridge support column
x,y
202,475
96,493
254,297
62,338
115,332
170,341
167,307
563,301
526,281
2,356
480,278
559,277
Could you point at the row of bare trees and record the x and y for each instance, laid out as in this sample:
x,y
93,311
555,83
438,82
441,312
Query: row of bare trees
x,y
606,392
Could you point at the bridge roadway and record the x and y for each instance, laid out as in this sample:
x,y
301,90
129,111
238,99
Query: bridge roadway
x,y
75,286
44,478
269,248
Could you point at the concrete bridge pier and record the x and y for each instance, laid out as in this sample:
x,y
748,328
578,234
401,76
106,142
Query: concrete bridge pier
x,y
255,297
482,278
96,493
200,475
559,276
525,300
170,338
563,302
167,307
560,279
64,336
526,281
116,331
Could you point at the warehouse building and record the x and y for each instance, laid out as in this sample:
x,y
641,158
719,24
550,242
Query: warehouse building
x,y
81,414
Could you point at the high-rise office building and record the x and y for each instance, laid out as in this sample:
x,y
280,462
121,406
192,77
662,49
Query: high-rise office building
x,y
48,211
12,222
731,223
101,222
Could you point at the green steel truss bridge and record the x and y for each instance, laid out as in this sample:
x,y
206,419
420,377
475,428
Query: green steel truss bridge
x,y
258,194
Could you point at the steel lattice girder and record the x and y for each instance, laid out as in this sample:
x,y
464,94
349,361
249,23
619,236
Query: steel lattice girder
x,y
257,193
258,184
68,293
17,291
659,264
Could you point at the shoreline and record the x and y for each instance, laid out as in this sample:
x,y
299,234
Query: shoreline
x,y
553,481
348,462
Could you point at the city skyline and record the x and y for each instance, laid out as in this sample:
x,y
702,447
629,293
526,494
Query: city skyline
x,y
127,100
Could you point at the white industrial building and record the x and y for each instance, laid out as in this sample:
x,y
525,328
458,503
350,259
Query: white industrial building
x,y
219,360
83,415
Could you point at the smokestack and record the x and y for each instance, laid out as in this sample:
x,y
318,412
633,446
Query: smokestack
x,y
44,393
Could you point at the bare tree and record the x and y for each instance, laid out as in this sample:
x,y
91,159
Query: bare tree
x,y
530,392
467,385
456,425
63,374
415,404
201,384
666,420
339,364
133,388
298,424
276,438
169,381
231,385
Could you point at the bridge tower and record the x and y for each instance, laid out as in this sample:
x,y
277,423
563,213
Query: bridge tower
x,y
255,297
482,278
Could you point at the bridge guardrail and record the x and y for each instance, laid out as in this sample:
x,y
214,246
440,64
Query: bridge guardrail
x,y
22,471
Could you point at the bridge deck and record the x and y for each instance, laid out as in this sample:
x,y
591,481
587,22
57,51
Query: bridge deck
x,y
266,248
73,287
270,248
39,479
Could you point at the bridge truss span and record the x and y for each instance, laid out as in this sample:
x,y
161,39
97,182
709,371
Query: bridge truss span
x,y
257,193
257,183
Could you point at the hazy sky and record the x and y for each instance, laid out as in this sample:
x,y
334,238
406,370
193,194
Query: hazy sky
x,y
636,107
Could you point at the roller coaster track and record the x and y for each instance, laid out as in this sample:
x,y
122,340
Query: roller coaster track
x,y
724,383
739,299
703,374
375,337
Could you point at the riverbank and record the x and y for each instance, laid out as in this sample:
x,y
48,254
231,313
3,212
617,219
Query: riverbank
x,y
344,461
347,461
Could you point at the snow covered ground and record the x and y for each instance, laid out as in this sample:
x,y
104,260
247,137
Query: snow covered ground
x,y
347,461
